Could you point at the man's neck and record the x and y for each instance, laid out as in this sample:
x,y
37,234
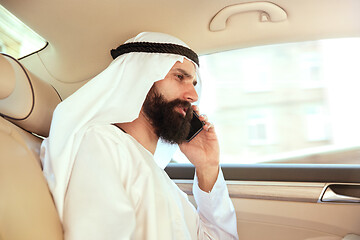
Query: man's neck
x,y
142,131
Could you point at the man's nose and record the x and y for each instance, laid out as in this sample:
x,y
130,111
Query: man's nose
x,y
191,94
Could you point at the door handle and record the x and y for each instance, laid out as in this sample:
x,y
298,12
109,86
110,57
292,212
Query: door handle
x,y
335,193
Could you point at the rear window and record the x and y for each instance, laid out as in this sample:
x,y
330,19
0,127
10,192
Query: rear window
x,y
17,39
288,103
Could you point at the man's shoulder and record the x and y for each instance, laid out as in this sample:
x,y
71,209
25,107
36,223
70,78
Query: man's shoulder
x,y
105,139
106,132
111,141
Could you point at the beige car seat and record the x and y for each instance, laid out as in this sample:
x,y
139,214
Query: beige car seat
x,y
27,211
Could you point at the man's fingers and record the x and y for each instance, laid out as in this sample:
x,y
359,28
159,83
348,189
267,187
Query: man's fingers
x,y
203,118
208,126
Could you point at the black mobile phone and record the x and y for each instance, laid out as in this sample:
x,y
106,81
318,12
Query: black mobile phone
x,y
195,128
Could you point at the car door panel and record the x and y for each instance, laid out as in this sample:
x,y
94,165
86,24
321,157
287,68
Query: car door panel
x,y
284,210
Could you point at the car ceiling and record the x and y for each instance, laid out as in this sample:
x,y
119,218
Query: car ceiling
x,y
81,33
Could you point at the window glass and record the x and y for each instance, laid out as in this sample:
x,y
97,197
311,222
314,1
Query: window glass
x,y
288,103
16,39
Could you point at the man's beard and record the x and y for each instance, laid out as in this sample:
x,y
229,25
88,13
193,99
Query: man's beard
x,y
168,124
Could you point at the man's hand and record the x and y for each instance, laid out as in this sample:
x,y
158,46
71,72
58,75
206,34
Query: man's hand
x,y
203,152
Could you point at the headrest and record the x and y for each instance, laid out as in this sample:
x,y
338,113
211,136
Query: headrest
x,y
25,100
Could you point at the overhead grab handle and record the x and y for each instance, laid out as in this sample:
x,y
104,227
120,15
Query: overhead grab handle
x,y
268,12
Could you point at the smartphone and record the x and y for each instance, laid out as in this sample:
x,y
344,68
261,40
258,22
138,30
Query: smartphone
x,y
195,128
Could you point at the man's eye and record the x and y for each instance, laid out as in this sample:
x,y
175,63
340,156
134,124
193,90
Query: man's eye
x,y
179,76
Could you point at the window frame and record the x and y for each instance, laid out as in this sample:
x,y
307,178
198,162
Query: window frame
x,y
329,173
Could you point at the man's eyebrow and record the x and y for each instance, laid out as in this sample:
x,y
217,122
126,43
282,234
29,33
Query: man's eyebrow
x,y
185,73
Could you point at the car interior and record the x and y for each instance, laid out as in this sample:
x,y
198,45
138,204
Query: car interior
x,y
27,103
277,200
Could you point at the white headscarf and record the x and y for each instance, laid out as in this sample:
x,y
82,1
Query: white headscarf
x,y
116,95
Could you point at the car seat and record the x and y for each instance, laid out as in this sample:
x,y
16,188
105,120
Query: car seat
x,y
27,211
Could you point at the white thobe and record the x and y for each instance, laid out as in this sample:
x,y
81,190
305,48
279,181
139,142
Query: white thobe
x,y
117,191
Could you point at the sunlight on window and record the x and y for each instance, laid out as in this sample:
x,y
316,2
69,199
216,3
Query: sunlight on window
x,y
288,103
16,39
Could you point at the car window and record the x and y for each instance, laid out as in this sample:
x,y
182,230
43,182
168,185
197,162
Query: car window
x,y
17,39
287,103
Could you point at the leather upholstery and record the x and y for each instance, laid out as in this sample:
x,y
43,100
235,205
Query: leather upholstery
x,y
27,211
31,103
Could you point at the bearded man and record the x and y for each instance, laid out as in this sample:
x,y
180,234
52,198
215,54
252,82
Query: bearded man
x,y
99,157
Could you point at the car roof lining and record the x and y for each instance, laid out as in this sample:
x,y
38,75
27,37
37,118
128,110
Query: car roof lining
x,y
81,33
